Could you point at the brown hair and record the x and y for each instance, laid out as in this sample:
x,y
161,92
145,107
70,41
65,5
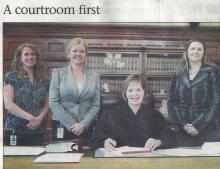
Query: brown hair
x,y
133,78
17,65
185,60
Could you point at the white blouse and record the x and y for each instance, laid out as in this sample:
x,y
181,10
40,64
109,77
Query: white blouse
x,y
80,85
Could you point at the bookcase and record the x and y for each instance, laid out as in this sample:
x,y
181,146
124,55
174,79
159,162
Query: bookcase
x,y
114,67
115,51
160,63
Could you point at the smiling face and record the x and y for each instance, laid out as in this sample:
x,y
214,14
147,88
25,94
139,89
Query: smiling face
x,y
195,52
135,94
77,54
28,58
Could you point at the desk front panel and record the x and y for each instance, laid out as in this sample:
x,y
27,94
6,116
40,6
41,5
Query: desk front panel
x,y
22,162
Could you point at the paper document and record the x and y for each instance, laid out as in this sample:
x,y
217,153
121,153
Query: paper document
x,y
181,152
208,149
121,152
23,150
59,158
211,147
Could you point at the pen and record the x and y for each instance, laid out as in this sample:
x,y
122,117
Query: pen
x,y
136,151
113,145
42,153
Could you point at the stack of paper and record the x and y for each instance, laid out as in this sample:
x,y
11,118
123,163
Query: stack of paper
x,y
23,150
59,158
60,152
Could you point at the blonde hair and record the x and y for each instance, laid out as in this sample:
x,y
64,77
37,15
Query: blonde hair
x,y
17,65
76,41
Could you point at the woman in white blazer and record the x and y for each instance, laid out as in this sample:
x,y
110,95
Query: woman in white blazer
x,y
74,95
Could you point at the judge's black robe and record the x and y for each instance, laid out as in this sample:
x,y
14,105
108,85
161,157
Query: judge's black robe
x,y
129,129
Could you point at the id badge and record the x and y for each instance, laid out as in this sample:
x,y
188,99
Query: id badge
x,y
60,132
13,140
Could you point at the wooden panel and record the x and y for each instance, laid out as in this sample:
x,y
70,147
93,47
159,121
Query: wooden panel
x,y
52,65
6,66
53,38
12,43
26,162
55,47
212,50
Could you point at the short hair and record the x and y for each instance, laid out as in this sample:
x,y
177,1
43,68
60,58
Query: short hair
x,y
76,41
133,78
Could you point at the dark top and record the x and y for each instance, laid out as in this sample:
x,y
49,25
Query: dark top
x,y
29,97
195,101
129,129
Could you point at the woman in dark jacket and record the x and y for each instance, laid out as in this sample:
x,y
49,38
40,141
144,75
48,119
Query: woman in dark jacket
x,y
134,123
193,102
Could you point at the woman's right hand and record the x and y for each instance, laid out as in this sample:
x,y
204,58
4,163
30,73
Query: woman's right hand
x,y
110,144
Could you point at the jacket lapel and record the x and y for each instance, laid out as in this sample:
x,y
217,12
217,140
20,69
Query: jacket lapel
x,y
202,74
185,79
86,84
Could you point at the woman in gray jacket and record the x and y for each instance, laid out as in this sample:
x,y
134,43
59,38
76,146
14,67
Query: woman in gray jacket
x,y
74,95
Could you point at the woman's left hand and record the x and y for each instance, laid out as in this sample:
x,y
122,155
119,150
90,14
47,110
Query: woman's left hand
x,y
34,123
78,128
191,130
152,144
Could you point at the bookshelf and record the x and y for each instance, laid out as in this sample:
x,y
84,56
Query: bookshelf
x,y
115,51
160,63
114,63
114,67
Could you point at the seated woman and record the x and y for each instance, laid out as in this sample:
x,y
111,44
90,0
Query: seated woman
x,y
193,102
26,97
134,123
74,95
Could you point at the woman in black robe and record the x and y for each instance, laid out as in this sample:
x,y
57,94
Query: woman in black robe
x,y
133,123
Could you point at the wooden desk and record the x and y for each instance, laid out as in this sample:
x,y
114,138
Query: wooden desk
x,y
20,162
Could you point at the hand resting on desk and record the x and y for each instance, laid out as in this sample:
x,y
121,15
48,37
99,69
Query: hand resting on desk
x,y
110,144
152,144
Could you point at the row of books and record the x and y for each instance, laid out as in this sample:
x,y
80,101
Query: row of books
x,y
128,64
157,87
109,85
162,64
102,64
